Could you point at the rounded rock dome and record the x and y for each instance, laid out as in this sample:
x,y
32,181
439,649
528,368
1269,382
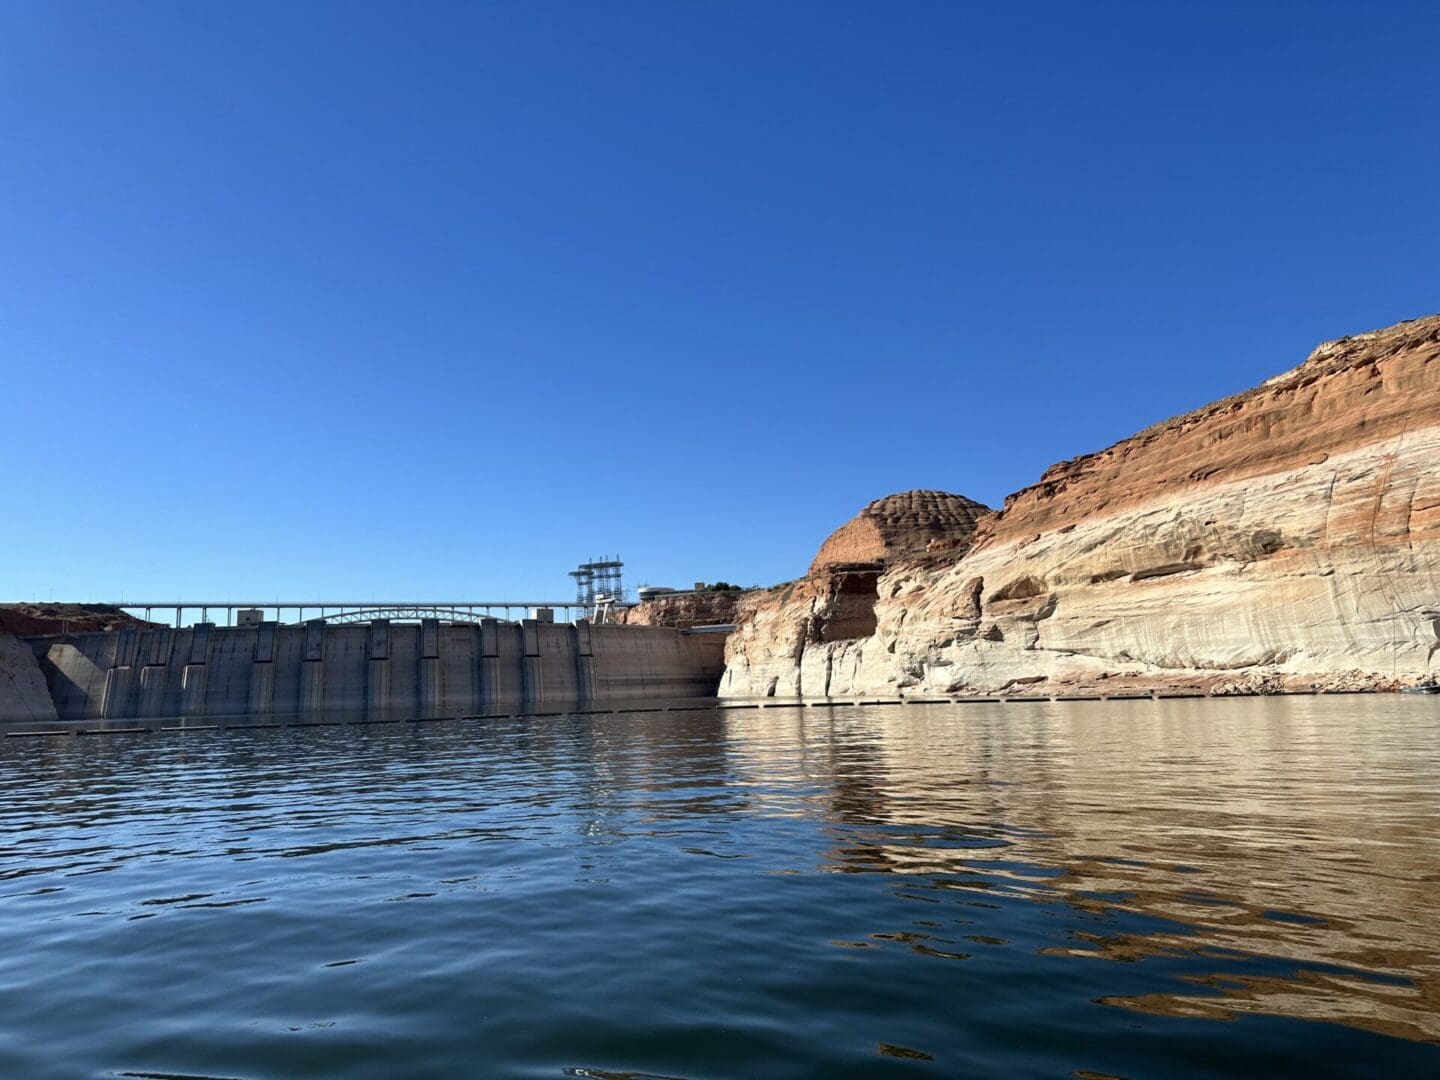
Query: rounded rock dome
x,y
902,526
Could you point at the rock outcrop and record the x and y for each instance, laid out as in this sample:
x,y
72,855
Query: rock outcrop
x,y
56,618
684,609
835,603
1284,538
906,525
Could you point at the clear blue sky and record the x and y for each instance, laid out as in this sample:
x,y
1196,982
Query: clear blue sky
x,y
431,299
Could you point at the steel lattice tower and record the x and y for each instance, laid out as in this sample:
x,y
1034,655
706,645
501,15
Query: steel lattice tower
x,y
602,577
584,586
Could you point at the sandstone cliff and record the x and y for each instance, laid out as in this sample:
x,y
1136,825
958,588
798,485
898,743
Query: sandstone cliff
x,y
684,609
907,525
1282,538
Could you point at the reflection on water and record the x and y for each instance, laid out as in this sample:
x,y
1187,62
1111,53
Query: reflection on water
x,y
1124,888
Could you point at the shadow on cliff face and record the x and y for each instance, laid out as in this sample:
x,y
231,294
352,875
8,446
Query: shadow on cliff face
x,y
845,607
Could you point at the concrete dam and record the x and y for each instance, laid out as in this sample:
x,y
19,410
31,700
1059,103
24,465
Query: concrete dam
x,y
381,670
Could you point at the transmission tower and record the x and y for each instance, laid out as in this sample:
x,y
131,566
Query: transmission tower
x,y
584,587
602,577
608,581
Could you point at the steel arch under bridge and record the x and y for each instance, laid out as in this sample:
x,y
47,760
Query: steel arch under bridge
x,y
444,614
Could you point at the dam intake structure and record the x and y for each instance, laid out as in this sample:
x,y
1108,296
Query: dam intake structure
x,y
380,669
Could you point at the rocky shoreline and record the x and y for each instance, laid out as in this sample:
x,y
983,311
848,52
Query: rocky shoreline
x,y
1283,540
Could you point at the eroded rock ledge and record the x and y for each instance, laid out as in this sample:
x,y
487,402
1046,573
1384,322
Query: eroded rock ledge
x,y
685,609
1281,539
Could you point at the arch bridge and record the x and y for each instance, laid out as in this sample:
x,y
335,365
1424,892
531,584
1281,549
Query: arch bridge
x,y
412,613
185,612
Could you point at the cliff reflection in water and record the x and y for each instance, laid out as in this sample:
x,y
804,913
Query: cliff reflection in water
x,y
1023,889
1294,828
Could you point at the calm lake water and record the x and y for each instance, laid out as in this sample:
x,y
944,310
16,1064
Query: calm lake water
x,y
1129,889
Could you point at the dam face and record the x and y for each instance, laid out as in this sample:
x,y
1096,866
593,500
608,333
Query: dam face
x,y
379,669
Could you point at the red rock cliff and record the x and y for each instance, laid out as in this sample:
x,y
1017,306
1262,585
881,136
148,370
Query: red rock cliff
x,y
1284,537
906,525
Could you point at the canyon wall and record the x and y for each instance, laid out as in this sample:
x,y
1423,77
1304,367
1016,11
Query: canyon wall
x,y
1284,538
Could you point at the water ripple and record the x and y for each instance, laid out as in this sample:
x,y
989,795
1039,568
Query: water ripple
x,y
1091,889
